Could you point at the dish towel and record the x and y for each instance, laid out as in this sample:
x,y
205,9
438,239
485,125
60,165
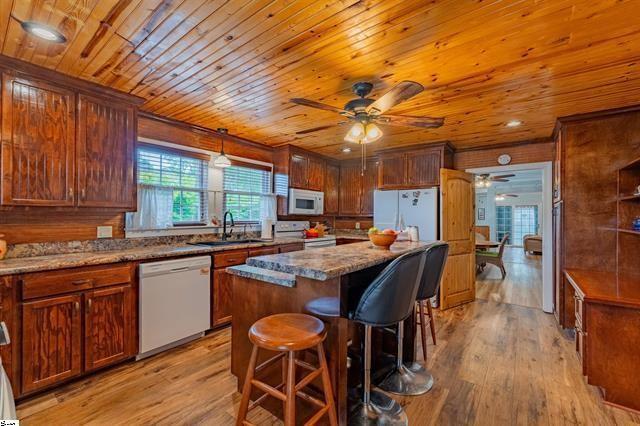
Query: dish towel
x,y
7,404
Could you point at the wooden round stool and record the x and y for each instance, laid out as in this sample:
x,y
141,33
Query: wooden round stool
x,y
288,333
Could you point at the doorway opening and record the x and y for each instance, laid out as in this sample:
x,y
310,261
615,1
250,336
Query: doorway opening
x,y
514,234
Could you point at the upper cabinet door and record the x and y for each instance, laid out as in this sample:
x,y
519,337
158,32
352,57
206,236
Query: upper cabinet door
x,y
38,143
106,154
331,189
423,168
392,171
315,174
350,189
298,171
368,186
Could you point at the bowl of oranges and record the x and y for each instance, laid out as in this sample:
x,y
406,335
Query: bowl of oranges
x,y
382,239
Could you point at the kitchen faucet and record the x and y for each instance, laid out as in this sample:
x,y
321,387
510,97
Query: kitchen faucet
x,y
224,225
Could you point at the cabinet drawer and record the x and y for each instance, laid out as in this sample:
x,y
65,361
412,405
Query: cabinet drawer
x,y
263,251
231,258
286,248
44,284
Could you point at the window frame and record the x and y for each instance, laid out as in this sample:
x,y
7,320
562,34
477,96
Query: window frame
x,y
203,190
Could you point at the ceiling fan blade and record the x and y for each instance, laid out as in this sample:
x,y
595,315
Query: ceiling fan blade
x,y
503,176
314,129
511,195
407,120
399,93
498,180
320,105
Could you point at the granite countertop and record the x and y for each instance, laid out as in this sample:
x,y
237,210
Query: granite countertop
x,y
274,277
71,260
330,262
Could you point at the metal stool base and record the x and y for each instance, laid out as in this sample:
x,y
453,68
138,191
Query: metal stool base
x,y
381,410
405,381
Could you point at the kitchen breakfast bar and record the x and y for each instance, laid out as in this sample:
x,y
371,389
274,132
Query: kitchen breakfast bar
x,y
287,282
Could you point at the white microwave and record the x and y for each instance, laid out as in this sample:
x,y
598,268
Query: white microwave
x,y
302,201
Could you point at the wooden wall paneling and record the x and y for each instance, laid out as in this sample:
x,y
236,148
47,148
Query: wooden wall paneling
x,y
521,152
106,154
51,341
49,224
38,143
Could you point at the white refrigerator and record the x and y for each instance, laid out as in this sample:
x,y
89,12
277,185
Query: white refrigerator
x,y
408,207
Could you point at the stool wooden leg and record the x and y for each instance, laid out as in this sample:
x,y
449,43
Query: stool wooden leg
x,y
423,329
432,324
327,387
246,388
290,403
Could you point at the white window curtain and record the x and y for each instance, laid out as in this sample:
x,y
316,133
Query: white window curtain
x,y
155,209
268,213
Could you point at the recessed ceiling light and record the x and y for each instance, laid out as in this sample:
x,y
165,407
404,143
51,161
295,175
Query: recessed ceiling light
x,y
346,150
43,31
513,123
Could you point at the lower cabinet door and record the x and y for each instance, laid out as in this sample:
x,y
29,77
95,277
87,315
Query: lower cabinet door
x,y
222,298
51,341
109,330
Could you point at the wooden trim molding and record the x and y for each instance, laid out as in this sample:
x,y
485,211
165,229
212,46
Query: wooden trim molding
x,y
181,152
31,71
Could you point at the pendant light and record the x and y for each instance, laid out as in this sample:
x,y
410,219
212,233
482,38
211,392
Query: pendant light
x,y
222,160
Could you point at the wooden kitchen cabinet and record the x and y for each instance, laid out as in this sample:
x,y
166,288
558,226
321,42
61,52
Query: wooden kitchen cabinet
x,y
332,189
413,167
106,154
222,298
356,188
315,173
286,248
298,165
108,326
263,251
51,342
38,143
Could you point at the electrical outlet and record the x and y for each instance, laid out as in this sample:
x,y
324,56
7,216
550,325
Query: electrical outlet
x,y
105,231
357,225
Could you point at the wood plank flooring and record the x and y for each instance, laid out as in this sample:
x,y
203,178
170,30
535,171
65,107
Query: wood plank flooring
x,y
522,285
494,364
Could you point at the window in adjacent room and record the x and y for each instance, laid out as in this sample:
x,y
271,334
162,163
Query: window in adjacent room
x,y
173,185
244,186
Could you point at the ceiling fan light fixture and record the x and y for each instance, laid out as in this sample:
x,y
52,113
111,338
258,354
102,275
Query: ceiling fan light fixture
x,y
43,31
356,133
373,133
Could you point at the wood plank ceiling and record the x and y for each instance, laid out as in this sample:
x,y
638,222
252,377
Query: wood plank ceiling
x,y
236,63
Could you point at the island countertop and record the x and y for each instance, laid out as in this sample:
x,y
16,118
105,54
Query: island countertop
x,y
330,262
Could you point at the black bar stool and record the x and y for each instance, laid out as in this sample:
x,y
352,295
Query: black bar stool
x,y
387,301
414,379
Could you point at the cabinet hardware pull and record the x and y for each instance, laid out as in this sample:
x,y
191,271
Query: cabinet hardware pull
x,y
89,303
70,192
81,282
83,194
77,306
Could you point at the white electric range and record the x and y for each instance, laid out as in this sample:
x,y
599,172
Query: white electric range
x,y
295,228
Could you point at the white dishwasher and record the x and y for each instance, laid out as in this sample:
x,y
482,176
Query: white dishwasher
x,y
174,303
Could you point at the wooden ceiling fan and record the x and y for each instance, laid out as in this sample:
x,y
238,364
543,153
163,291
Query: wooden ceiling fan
x,y
367,111
484,180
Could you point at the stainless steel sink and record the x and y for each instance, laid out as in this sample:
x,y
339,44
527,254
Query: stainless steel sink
x,y
225,243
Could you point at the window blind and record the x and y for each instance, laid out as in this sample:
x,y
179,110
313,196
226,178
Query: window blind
x,y
185,175
243,188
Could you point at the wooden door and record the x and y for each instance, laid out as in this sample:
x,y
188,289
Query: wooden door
x,y
298,166
457,228
350,189
316,174
369,181
392,171
51,341
423,168
222,298
109,327
331,189
106,154
38,143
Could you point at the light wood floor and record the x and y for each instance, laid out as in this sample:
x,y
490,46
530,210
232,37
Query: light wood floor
x,y
494,364
522,285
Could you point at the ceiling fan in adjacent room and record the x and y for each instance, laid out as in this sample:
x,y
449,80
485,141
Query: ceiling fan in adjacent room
x,y
367,113
485,180
502,197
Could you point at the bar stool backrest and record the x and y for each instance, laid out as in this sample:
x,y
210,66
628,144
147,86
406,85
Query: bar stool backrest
x,y
389,299
436,257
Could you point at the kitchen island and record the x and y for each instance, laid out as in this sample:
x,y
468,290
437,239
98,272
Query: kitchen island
x,y
286,282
